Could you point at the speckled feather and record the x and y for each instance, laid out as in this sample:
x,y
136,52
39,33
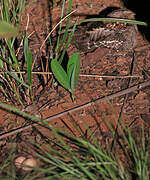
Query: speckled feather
x,y
112,35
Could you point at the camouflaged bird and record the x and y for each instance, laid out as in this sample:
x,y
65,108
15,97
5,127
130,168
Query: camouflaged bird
x,y
113,35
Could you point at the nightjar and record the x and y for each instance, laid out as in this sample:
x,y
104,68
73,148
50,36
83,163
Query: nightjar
x,y
113,35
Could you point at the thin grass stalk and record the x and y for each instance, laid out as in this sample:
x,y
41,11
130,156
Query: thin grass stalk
x,y
5,8
54,162
63,39
14,58
138,155
58,38
67,44
67,25
12,86
12,12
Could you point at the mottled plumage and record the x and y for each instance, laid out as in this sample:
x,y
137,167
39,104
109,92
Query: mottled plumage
x,y
113,35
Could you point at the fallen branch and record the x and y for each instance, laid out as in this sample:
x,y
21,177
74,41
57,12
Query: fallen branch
x,y
38,121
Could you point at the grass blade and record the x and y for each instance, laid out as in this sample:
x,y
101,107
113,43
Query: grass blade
x,y
28,60
114,20
15,77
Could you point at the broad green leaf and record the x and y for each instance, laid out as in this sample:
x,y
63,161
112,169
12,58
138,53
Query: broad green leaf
x,y
7,30
60,74
71,63
73,78
28,60
73,69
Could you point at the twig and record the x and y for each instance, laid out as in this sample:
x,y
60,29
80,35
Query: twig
x,y
99,100
81,75
112,77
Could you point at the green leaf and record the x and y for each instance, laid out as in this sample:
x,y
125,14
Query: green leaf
x,y
60,74
29,67
129,21
73,69
7,30
71,63
28,60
